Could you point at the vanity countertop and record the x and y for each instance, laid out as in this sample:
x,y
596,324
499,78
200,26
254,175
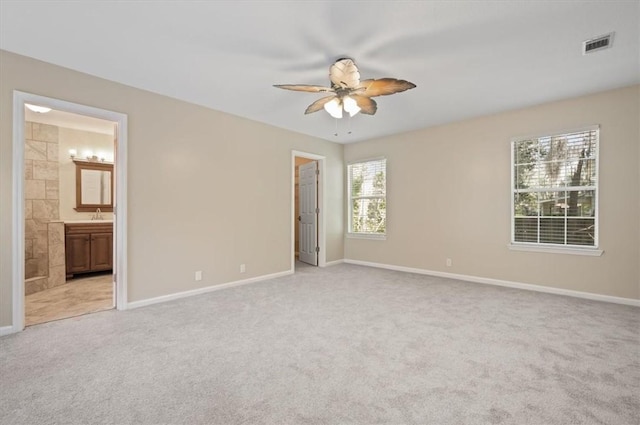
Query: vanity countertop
x,y
88,221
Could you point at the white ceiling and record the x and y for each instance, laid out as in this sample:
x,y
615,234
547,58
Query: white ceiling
x,y
467,58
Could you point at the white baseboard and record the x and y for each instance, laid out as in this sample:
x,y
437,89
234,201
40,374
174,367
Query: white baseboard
x,y
505,283
6,330
333,263
178,295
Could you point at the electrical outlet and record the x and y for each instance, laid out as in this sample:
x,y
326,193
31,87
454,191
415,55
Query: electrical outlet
x,y
242,268
448,262
198,275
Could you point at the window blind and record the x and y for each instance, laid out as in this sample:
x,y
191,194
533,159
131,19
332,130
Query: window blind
x,y
554,189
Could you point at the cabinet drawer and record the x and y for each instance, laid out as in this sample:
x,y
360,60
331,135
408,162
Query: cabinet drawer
x,y
83,228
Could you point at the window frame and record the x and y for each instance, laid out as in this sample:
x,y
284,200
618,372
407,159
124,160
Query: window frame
x,y
364,235
591,250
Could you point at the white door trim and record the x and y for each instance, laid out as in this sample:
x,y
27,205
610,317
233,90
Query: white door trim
x,y
17,234
322,237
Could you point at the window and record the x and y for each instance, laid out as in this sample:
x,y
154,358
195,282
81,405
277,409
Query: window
x,y
554,189
367,185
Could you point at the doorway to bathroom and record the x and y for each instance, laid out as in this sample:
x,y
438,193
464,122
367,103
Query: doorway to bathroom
x,y
69,258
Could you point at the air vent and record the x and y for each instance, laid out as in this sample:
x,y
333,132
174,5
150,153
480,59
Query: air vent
x,y
598,43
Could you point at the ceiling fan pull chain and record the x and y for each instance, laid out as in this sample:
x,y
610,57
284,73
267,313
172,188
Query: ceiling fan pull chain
x,y
336,133
349,132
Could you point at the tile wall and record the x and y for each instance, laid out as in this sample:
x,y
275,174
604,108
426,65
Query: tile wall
x,y
44,233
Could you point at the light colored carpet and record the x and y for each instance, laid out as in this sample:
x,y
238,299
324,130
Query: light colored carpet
x,y
340,345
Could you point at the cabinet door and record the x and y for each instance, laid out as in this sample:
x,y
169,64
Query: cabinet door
x,y
101,251
78,253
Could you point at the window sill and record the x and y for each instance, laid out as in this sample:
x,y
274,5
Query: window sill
x,y
594,252
373,236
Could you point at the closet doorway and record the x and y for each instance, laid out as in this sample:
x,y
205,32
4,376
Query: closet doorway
x,y
308,212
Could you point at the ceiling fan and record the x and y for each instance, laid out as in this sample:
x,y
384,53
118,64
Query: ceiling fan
x,y
348,92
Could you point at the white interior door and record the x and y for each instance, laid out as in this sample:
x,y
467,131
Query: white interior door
x,y
308,219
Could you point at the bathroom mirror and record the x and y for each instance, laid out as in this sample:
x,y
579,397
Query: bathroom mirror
x,y
94,186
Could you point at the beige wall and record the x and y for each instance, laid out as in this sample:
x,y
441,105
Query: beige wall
x,y
449,197
206,190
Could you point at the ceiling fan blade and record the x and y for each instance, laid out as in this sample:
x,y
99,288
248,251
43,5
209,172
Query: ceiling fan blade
x,y
344,74
367,105
383,87
303,87
318,104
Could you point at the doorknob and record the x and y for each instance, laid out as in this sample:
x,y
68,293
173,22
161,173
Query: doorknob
x,y
299,218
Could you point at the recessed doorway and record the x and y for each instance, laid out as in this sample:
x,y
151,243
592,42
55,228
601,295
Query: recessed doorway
x,y
49,148
307,227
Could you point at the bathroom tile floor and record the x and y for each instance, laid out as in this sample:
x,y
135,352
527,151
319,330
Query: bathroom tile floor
x,y
76,297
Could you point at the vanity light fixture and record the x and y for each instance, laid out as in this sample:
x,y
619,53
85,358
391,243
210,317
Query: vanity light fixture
x,y
104,156
38,109
89,156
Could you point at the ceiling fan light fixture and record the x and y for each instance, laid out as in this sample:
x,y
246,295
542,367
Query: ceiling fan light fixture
x,y
350,105
334,108
350,94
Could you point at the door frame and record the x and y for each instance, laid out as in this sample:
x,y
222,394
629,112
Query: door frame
x,y
322,237
120,215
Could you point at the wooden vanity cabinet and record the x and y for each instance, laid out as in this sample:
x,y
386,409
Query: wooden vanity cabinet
x,y
89,247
